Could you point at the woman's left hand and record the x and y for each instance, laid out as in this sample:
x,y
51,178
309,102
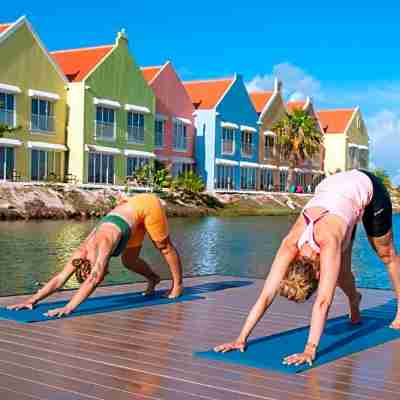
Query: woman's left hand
x,y
58,312
300,358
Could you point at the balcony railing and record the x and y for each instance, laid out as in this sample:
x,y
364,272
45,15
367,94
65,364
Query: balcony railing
x,y
136,134
104,130
42,123
247,149
7,117
227,147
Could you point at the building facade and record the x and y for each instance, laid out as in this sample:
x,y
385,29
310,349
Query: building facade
x,y
227,139
111,113
346,139
174,120
32,98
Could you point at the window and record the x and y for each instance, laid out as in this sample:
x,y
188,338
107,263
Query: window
x,y
363,158
101,168
133,164
135,128
180,136
248,178
105,123
228,141
180,168
7,109
225,177
300,179
353,157
160,131
6,162
359,123
283,176
269,147
267,180
42,118
247,144
44,163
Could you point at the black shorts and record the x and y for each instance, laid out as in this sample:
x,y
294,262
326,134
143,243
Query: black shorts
x,y
377,219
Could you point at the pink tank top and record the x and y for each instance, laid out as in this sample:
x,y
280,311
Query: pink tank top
x,y
345,194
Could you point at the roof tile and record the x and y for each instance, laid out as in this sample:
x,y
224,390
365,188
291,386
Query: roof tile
x,y
335,121
150,72
4,27
260,99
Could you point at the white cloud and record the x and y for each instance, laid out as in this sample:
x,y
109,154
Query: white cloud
x,y
295,81
297,96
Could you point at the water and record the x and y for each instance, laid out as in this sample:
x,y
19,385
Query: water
x,y
32,251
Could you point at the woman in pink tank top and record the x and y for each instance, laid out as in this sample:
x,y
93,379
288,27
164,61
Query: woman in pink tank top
x,y
316,254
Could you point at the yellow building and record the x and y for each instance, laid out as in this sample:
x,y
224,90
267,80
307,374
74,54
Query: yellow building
x,y
346,139
32,98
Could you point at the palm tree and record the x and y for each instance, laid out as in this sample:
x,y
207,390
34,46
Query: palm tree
x,y
298,139
6,129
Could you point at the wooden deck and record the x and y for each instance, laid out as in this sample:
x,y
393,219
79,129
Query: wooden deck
x,y
147,353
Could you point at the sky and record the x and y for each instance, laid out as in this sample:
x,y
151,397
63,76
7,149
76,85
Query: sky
x,y
342,54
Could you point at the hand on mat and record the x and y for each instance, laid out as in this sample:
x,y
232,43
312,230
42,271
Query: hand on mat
x,y
21,306
237,345
58,312
301,358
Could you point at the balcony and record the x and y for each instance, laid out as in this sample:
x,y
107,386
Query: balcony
x,y
136,134
7,118
42,123
104,130
246,150
227,147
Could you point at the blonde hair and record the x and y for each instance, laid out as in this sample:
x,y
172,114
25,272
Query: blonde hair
x,y
300,281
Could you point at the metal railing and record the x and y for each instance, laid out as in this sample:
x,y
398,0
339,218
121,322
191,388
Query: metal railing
x,y
135,134
227,146
104,130
246,149
7,117
42,123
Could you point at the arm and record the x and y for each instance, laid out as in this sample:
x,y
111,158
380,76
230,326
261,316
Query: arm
x,y
286,254
331,258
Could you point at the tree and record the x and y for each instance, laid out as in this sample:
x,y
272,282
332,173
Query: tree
x,y
383,176
298,139
6,129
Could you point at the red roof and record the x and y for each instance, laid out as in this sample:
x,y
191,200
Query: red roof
x,y
295,105
150,72
260,99
77,63
206,94
4,27
335,121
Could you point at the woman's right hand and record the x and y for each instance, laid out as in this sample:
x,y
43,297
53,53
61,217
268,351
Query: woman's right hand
x,y
236,345
21,306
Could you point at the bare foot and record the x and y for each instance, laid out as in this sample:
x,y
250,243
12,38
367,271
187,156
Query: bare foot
x,y
151,285
175,292
355,315
396,323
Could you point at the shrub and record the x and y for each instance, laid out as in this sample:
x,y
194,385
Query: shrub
x,y
189,181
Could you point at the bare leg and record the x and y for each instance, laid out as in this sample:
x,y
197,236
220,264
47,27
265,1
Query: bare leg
x,y
347,283
131,260
384,247
171,256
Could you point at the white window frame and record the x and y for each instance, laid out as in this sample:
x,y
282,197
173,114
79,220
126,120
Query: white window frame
x,y
272,148
141,164
179,132
246,171
159,121
102,138
231,130
140,116
4,166
225,172
14,110
52,117
102,154
243,143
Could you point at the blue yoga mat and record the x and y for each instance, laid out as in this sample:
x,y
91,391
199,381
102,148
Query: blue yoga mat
x,y
340,339
95,305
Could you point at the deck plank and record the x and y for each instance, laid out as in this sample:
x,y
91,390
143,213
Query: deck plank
x,y
147,353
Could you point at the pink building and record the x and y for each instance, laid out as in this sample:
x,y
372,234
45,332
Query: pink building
x,y
174,125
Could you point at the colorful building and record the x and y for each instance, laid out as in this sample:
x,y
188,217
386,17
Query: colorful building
x,y
32,98
174,121
346,139
227,139
111,113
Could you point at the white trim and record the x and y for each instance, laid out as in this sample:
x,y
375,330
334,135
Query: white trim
x,y
362,147
183,160
248,128
147,154
234,79
247,164
351,120
107,103
229,125
353,145
283,168
102,149
269,133
268,166
46,146
184,120
161,117
161,68
5,88
43,95
224,161
139,109
10,142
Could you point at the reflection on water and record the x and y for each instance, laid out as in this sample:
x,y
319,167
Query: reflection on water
x,y
32,251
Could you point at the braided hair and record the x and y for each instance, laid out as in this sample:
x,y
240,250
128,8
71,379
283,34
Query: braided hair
x,y
300,281
83,269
